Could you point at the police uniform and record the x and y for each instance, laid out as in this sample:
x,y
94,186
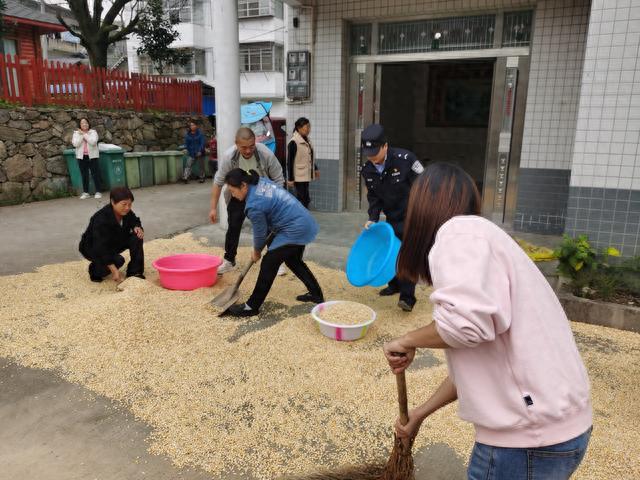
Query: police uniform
x,y
388,193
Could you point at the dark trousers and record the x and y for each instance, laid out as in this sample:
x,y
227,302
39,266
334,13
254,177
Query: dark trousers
x,y
85,165
213,167
99,269
407,289
302,193
291,255
235,218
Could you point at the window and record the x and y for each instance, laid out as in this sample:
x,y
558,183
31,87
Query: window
x,y
260,8
517,29
195,66
261,57
8,46
457,33
179,11
360,41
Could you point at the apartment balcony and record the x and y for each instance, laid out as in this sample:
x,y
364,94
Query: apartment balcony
x,y
63,46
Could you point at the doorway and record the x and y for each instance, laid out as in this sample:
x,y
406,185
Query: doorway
x,y
465,110
439,110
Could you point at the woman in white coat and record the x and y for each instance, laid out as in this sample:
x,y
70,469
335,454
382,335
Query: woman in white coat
x,y
85,140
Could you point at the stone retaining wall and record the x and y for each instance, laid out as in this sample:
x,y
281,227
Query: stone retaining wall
x,y
32,140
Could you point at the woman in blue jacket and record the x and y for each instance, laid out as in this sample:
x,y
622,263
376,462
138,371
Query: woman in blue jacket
x,y
194,143
273,209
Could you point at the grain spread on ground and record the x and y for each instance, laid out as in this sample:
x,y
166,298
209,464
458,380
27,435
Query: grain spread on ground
x,y
269,395
345,313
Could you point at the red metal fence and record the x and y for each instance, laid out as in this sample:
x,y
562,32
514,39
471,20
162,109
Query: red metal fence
x,y
38,82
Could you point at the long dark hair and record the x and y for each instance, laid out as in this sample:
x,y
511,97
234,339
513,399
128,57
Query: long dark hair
x,y
237,176
301,122
442,192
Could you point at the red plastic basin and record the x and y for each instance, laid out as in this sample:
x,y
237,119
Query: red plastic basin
x,y
188,271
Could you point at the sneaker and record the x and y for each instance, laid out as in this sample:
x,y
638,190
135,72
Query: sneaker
x,y
404,305
201,180
310,297
385,292
241,310
226,266
282,270
97,195
84,196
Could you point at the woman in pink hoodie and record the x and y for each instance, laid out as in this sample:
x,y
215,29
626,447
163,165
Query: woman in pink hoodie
x,y
513,364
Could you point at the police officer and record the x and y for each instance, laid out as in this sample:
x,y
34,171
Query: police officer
x,y
388,175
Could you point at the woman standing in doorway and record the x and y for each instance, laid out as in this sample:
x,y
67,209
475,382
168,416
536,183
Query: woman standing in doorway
x,y
85,141
301,168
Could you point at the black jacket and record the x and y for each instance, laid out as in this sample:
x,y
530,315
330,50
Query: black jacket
x,y
388,192
104,237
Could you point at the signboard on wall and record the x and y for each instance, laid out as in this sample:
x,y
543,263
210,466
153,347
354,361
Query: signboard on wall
x,y
299,75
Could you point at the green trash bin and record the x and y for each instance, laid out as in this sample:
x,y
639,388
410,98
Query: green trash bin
x,y
160,164
146,170
132,169
74,172
112,169
174,166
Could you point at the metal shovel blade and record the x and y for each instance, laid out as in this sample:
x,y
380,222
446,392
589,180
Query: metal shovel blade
x,y
225,299
230,295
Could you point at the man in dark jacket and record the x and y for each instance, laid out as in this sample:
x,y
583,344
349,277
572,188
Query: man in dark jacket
x,y
113,229
194,143
388,175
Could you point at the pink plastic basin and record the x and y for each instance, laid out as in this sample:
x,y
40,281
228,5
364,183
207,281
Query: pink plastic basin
x,y
187,271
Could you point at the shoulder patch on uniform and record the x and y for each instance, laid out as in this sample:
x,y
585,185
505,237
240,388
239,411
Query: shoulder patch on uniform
x,y
417,167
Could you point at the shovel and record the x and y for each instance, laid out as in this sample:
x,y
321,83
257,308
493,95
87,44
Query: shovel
x,y
230,295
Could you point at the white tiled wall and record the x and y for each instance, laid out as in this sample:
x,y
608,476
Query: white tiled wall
x,y
608,125
557,56
328,84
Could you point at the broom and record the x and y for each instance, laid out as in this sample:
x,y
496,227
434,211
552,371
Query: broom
x,y
400,463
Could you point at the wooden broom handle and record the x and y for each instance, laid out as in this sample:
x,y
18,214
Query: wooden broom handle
x,y
402,398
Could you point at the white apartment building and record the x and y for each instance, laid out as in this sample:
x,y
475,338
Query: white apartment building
x,y
262,38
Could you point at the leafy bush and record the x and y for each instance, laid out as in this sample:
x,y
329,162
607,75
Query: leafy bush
x,y
593,275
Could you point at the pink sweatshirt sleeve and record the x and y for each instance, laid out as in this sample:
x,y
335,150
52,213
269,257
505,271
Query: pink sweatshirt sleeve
x,y
471,302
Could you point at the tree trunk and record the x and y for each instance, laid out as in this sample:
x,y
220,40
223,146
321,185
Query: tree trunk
x,y
97,51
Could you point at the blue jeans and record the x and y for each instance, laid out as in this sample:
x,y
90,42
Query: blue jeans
x,y
554,462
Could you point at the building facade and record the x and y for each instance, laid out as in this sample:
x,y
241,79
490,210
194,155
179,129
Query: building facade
x,y
24,27
262,39
538,100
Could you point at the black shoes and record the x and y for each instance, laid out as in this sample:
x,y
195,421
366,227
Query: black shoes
x,y
388,291
406,306
240,310
138,275
201,180
310,297
185,181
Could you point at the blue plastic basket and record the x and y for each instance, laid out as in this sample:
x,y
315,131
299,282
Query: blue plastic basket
x,y
372,259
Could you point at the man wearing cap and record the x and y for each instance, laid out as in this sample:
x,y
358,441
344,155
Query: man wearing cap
x,y
388,175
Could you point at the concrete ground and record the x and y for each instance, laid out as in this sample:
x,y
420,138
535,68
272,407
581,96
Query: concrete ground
x,y
52,429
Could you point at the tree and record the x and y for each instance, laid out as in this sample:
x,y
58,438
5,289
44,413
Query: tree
x,y
97,31
156,31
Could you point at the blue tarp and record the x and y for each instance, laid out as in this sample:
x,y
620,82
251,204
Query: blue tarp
x,y
208,105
